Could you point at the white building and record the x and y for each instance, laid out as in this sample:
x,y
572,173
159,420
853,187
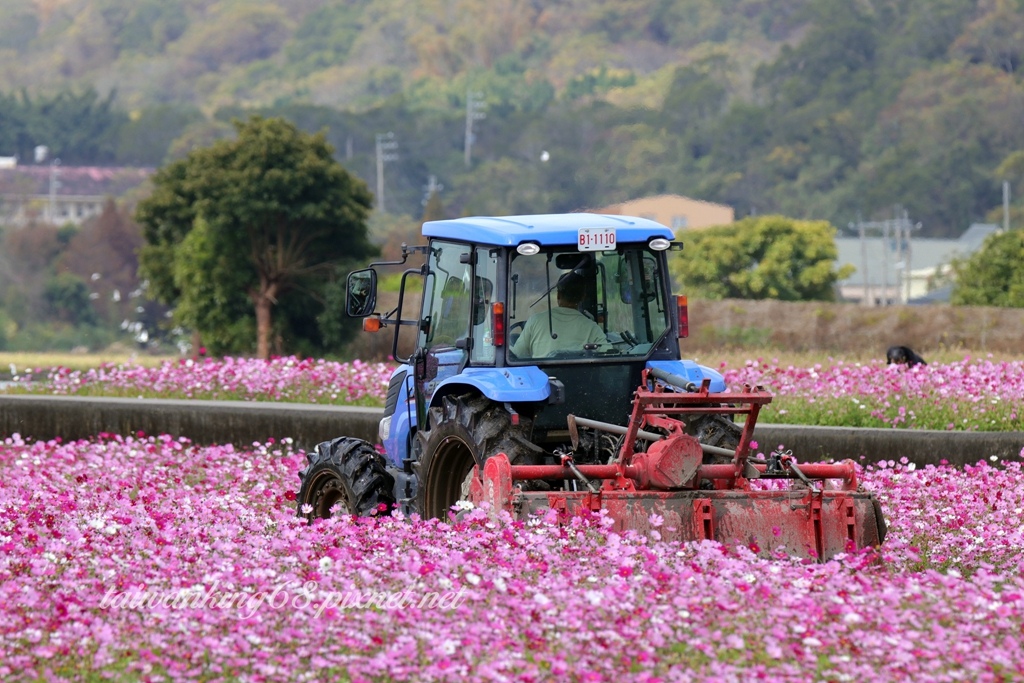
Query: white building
x,y
904,271
56,194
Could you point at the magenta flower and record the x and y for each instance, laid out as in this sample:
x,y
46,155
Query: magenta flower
x,y
153,558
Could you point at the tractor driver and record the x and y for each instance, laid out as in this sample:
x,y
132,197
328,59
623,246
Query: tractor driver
x,y
563,328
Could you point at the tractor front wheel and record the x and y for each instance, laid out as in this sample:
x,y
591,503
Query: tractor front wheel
x,y
346,475
463,431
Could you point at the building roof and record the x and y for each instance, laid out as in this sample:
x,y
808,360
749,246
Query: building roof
x,y
667,197
72,180
939,295
977,234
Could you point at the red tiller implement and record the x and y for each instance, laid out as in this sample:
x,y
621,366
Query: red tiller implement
x,y
665,479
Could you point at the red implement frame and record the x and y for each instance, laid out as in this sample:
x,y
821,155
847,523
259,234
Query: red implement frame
x,y
668,487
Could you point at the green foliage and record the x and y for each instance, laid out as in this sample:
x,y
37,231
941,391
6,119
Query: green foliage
x,y
61,336
598,81
146,26
244,225
78,128
147,137
68,298
823,109
433,210
325,35
7,329
21,26
212,290
238,34
337,329
768,257
992,276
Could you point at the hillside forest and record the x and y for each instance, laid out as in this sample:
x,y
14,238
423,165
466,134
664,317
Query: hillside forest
x,y
818,110
814,109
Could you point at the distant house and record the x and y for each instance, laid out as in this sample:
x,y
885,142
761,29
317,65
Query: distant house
x,y
913,271
674,211
62,194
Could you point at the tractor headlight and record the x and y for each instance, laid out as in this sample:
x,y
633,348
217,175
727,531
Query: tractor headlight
x,y
528,248
659,244
384,429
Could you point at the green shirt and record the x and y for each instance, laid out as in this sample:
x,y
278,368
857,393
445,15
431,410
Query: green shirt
x,y
574,330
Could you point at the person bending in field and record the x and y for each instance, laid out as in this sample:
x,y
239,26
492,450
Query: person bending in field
x,y
903,355
564,328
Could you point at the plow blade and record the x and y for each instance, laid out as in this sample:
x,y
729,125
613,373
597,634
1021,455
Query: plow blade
x,y
808,522
816,525
668,485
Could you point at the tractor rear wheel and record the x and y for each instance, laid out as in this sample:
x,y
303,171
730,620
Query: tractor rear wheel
x,y
463,431
347,473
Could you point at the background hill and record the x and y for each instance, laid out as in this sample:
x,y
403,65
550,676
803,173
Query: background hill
x,y
812,108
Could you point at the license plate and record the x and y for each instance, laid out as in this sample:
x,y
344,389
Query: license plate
x,y
596,239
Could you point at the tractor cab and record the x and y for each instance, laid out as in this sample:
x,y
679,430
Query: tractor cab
x,y
583,318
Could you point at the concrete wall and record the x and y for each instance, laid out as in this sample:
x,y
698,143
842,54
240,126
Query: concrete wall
x,y
241,423
206,422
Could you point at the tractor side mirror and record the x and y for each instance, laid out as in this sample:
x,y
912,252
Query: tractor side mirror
x,y
361,296
483,291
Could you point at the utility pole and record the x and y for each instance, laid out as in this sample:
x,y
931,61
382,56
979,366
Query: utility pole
x,y
475,107
386,146
432,187
54,184
1006,206
885,263
868,298
896,236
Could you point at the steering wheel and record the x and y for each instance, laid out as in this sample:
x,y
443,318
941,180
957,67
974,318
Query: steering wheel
x,y
514,331
630,338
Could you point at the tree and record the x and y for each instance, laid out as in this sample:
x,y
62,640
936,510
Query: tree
x,y
104,253
433,210
764,257
268,214
68,298
992,275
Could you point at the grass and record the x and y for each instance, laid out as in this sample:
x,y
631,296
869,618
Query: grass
x,y
736,358
732,357
23,360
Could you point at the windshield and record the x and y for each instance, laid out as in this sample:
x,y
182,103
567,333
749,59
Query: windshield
x,y
566,304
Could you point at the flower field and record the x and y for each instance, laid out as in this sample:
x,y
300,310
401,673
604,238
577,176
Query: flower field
x,y
247,379
151,558
970,394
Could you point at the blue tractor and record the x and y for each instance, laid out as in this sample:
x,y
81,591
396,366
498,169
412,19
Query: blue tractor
x,y
472,389
533,336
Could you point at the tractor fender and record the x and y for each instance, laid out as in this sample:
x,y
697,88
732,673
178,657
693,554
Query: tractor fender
x,y
525,384
502,385
399,417
692,371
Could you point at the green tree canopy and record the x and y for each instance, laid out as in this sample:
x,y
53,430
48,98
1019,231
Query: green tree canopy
x,y
763,257
241,226
992,276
